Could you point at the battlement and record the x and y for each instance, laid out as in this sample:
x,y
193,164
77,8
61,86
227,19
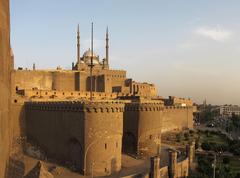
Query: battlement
x,y
76,106
151,106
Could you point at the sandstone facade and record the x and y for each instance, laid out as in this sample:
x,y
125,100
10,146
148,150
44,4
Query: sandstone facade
x,y
5,67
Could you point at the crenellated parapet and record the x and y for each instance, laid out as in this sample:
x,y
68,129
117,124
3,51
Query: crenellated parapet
x,y
144,106
76,106
142,127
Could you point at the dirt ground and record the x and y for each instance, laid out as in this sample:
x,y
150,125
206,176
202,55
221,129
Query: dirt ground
x,y
130,165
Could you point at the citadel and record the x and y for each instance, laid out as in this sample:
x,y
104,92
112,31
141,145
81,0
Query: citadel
x,y
92,114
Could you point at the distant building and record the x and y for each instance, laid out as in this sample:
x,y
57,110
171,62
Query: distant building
x,y
175,101
229,110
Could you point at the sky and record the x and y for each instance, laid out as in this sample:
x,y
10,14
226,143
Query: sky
x,y
187,48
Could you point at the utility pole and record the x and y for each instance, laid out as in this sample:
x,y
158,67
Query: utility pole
x,y
214,166
91,65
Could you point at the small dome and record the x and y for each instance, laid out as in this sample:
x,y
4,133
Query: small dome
x,y
88,53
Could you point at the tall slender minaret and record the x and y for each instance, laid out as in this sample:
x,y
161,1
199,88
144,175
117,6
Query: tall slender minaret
x,y
107,47
78,45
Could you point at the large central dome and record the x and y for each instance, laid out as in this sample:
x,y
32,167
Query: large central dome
x,y
88,54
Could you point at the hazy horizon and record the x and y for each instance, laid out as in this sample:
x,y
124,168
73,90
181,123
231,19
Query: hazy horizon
x,y
186,48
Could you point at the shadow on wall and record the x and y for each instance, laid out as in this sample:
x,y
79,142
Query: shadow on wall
x,y
75,154
16,168
77,81
129,143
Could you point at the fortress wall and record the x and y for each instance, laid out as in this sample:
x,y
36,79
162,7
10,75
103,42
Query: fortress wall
x,y
130,129
116,73
175,168
18,125
49,80
116,79
164,172
5,67
100,83
143,89
85,134
29,79
182,168
150,125
65,81
177,118
58,128
66,94
83,79
143,121
103,137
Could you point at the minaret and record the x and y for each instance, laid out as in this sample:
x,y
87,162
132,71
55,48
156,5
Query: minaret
x,y
78,45
107,47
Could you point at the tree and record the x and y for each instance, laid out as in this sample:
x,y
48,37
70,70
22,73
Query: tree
x,y
226,160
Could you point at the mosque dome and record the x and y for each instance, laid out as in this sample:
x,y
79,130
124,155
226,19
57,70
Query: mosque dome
x,y
95,61
88,54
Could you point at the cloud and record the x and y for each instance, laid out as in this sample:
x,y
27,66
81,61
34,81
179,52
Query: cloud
x,y
216,33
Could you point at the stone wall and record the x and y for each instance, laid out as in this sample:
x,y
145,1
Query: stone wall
x,y
103,137
26,79
177,118
143,89
53,94
18,125
142,128
57,129
108,81
88,135
5,67
177,167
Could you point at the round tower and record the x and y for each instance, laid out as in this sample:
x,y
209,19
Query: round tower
x,y
150,125
143,121
103,137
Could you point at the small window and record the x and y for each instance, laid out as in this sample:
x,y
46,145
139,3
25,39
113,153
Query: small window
x,y
15,101
105,169
116,144
105,146
150,137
